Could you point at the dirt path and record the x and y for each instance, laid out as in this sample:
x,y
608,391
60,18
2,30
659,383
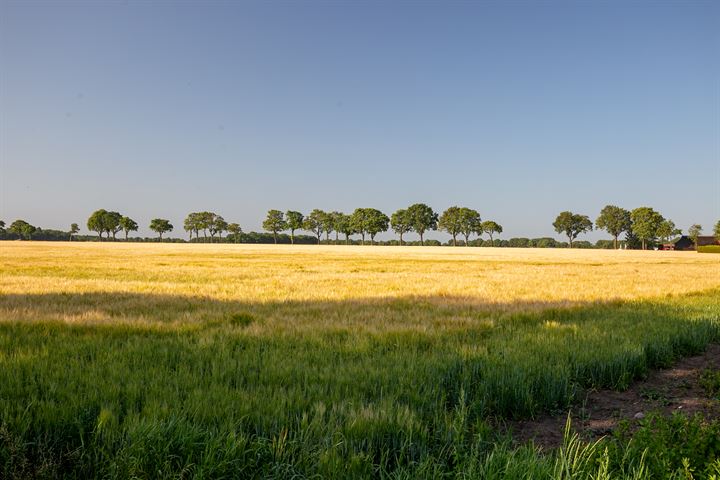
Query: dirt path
x,y
675,389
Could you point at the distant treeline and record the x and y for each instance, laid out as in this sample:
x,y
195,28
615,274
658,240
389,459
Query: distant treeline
x,y
643,228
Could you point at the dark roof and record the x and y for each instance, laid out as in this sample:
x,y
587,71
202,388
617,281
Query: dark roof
x,y
707,240
680,242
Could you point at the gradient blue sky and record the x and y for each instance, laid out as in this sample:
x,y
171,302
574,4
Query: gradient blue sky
x,y
517,109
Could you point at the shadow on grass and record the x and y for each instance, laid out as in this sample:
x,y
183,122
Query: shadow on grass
x,y
383,382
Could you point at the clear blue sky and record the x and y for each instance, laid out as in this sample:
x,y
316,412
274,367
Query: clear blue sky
x,y
517,109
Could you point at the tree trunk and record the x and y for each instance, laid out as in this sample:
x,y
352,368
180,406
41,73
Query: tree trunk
x,y
292,237
422,242
319,238
347,239
454,241
467,242
336,237
363,238
275,237
615,243
401,244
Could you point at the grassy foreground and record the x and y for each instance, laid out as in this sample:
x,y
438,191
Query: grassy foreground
x,y
213,361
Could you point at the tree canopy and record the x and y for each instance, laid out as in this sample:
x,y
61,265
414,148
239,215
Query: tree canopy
x,y
614,220
160,226
234,230
572,225
74,229
344,224
294,222
103,221
645,224
694,232
451,222
274,222
470,222
369,221
22,229
490,227
315,223
127,224
422,218
667,230
401,223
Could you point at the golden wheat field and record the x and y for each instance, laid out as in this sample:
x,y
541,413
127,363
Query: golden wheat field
x,y
266,273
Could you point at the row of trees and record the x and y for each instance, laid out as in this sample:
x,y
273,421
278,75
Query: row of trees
x,y
418,218
642,224
112,223
209,222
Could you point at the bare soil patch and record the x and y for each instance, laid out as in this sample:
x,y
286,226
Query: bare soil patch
x,y
676,389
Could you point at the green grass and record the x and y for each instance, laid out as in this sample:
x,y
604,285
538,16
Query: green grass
x,y
709,249
211,399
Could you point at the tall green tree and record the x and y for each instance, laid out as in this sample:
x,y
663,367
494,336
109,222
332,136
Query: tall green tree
x,y
128,225
74,229
205,223
22,229
96,222
491,228
274,222
315,223
192,224
667,230
344,224
215,223
328,225
401,223
470,222
375,222
160,226
716,231
294,222
451,221
632,242
694,232
614,220
422,219
645,224
220,226
234,230
112,223
572,225
336,219
357,218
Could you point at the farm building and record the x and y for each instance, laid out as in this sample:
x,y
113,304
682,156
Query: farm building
x,y
707,240
685,243
681,243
